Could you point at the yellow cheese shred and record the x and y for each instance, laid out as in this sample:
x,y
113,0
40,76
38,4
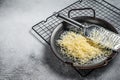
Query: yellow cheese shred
x,y
78,46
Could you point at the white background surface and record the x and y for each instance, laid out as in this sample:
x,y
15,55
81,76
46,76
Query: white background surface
x,y
23,57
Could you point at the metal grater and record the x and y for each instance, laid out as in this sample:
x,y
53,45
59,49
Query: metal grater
x,y
105,37
95,32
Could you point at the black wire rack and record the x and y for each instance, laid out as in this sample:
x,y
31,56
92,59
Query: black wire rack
x,y
103,9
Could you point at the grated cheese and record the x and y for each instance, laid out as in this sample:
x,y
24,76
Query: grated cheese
x,y
75,45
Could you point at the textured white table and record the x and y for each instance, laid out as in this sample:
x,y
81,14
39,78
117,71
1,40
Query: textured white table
x,y
23,57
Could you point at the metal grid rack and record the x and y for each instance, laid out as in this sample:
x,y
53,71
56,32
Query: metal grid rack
x,y
103,9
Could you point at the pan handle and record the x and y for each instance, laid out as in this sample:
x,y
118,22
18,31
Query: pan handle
x,y
69,12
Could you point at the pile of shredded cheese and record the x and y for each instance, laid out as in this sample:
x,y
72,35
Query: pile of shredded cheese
x,y
78,46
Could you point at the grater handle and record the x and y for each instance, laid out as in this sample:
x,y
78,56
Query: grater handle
x,y
70,21
94,14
